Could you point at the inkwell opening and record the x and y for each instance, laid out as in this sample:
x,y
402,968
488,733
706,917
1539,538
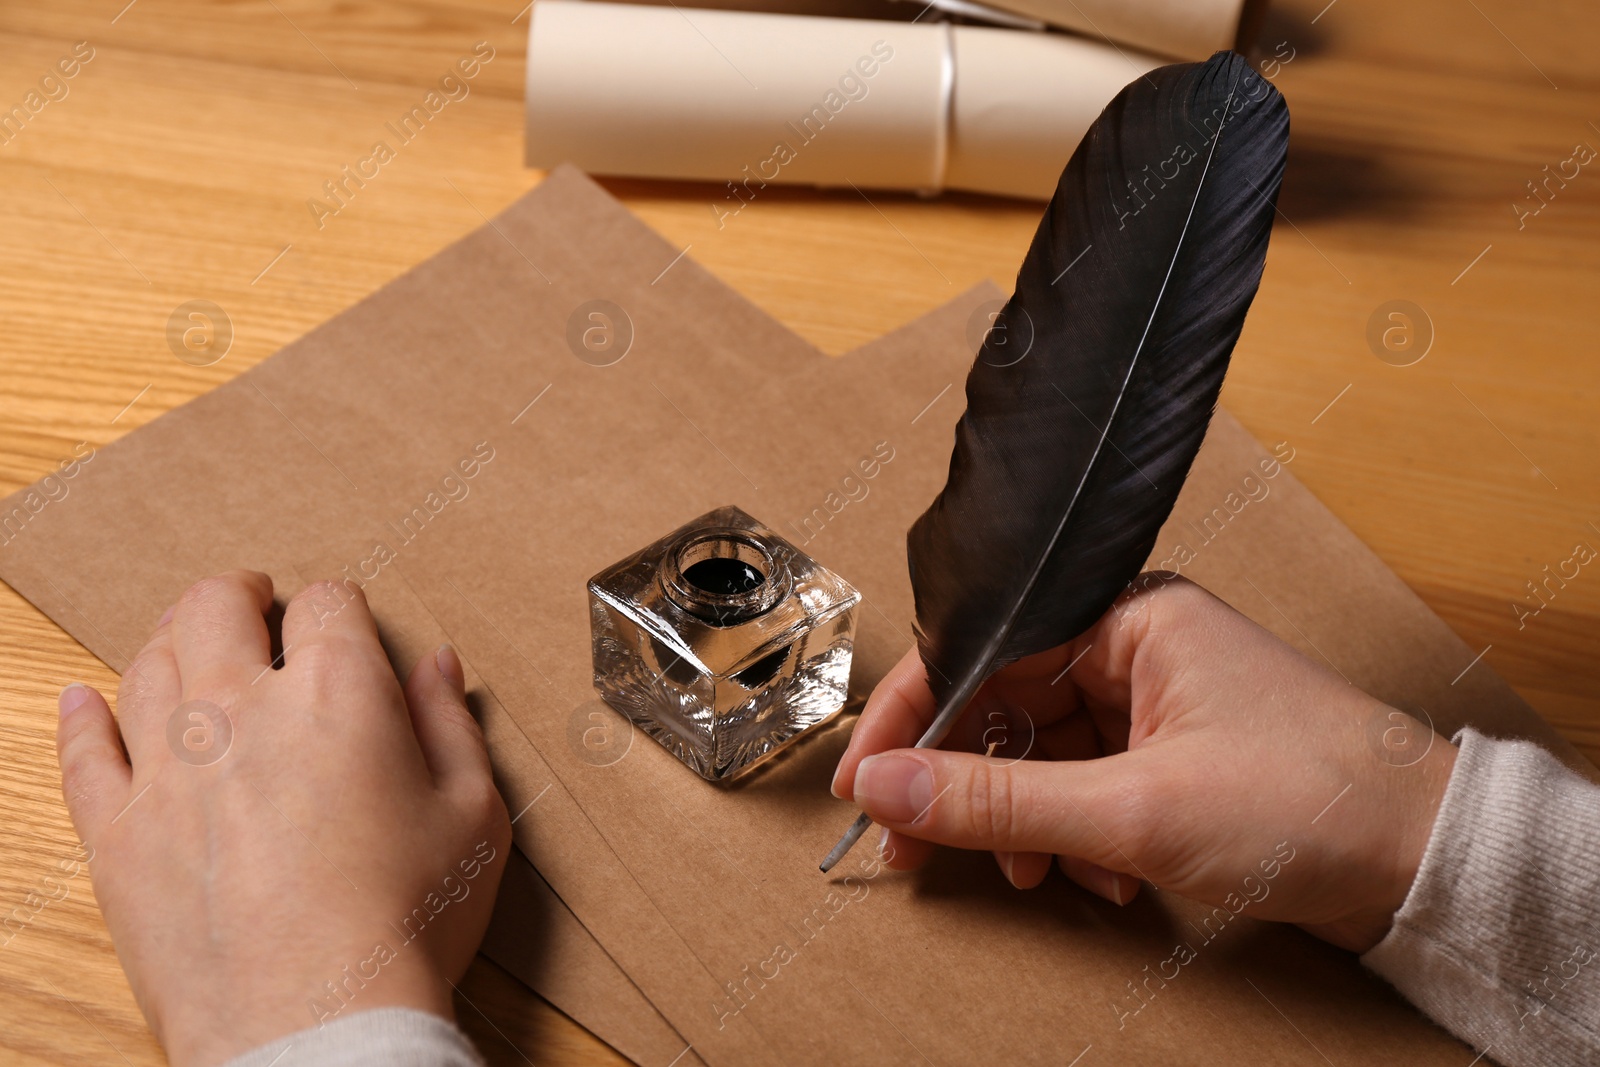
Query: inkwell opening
x,y
724,575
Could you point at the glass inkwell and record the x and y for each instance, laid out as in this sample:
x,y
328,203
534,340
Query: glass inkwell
x,y
722,641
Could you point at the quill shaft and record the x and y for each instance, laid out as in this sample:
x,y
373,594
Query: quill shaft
x,y
846,843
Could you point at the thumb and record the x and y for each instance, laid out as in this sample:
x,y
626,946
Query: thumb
x,y
95,775
1095,810
451,741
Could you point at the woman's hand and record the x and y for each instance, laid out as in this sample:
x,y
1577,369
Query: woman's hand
x,y
274,848
1175,742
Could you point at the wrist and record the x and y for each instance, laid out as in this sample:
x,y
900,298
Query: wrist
x,y
1404,820
201,1034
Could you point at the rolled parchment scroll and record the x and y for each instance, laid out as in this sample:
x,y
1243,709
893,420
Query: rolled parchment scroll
x,y
752,98
1184,29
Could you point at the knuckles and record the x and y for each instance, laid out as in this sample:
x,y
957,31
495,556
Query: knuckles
x,y
482,804
1177,599
330,664
1135,811
990,809
324,600
319,661
208,591
139,682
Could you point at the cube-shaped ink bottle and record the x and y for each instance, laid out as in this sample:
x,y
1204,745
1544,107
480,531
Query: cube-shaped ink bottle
x,y
722,641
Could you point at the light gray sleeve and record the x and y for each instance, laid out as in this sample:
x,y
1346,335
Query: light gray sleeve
x,y
1499,938
382,1037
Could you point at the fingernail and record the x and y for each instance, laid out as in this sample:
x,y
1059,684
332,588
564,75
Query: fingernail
x,y
1008,863
883,844
166,616
449,665
894,789
837,786
1117,888
72,698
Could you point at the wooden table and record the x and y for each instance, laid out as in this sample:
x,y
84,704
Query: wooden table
x,y
178,164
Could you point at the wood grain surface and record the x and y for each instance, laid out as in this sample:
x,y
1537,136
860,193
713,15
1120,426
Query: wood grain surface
x,y
178,163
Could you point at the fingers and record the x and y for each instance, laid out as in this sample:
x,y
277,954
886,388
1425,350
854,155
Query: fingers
x,y
330,641
220,626
328,610
95,775
898,711
149,691
1024,810
1023,869
902,853
451,740
1112,885
1092,809
1007,715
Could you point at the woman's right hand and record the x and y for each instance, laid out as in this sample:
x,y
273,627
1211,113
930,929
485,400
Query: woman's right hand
x,y
1175,742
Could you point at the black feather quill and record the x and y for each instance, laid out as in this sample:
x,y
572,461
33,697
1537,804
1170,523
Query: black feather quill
x,y
1092,393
